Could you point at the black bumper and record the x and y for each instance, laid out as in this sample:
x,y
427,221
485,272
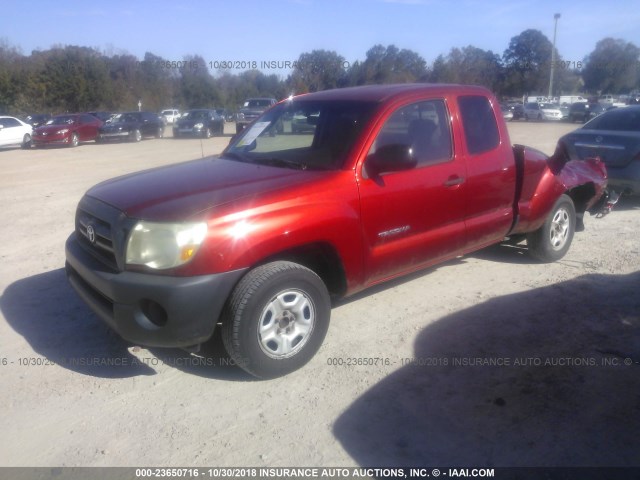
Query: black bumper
x,y
146,309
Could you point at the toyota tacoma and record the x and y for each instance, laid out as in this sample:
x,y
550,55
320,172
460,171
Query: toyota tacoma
x,y
382,181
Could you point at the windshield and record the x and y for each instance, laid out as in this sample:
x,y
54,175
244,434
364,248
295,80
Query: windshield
x,y
302,134
124,118
195,115
257,103
62,120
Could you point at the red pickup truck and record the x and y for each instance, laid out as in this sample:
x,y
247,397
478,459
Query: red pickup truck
x,y
373,182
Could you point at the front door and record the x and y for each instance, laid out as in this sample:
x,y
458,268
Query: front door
x,y
414,217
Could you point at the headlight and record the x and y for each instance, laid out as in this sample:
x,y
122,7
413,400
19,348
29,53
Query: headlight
x,y
198,126
164,245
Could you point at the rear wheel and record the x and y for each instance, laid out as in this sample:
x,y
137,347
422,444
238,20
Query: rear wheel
x,y
75,141
207,133
553,239
160,132
276,319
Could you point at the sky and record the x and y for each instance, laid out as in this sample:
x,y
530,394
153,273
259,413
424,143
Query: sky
x,y
280,30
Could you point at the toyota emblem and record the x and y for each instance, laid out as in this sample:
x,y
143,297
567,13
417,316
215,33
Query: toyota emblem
x,y
91,234
598,139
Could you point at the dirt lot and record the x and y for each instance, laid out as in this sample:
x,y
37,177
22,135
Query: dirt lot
x,y
563,341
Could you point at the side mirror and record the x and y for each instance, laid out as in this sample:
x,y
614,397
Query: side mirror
x,y
390,158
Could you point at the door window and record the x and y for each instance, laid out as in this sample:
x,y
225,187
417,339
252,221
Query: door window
x,y
423,127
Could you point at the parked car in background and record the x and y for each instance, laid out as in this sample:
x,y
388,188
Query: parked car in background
x,y
104,116
132,126
542,111
614,137
68,130
225,114
507,114
304,121
37,119
170,115
564,109
251,109
517,110
15,132
199,123
583,112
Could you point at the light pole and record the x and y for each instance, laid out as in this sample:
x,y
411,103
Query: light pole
x,y
553,55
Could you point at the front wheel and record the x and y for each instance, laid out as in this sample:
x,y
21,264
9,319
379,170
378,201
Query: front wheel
x,y
553,239
26,141
136,135
75,140
276,319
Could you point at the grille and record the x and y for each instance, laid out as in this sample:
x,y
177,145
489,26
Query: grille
x,y
102,246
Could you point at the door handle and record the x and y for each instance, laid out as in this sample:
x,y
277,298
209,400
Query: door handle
x,y
453,181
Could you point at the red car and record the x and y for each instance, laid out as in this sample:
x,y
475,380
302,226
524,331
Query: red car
x,y
67,129
381,182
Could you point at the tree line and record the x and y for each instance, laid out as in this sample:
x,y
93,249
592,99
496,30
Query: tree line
x,y
77,78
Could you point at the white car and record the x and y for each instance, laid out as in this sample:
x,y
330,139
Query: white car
x,y
542,111
15,132
170,116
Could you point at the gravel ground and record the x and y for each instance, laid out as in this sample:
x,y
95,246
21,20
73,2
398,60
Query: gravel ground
x,y
489,360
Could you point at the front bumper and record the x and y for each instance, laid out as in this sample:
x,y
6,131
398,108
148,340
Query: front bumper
x,y
112,135
147,309
191,131
51,140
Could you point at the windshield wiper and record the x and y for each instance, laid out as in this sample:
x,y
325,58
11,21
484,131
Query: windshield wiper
x,y
279,162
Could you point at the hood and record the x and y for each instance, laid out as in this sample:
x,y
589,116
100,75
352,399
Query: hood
x,y
182,191
49,129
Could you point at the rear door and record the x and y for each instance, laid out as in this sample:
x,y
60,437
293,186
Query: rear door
x,y
415,217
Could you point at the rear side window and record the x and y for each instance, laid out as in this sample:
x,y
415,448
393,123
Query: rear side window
x,y
479,122
622,119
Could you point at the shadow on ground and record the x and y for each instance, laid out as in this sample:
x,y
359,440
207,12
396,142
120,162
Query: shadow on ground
x,y
563,390
45,310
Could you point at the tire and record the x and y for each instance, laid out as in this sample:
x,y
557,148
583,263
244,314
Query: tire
x,y
26,141
239,128
276,319
75,141
552,240
160,132
207,133
135,135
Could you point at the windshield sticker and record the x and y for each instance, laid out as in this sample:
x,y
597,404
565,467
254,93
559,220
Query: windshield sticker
x,y
252,134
